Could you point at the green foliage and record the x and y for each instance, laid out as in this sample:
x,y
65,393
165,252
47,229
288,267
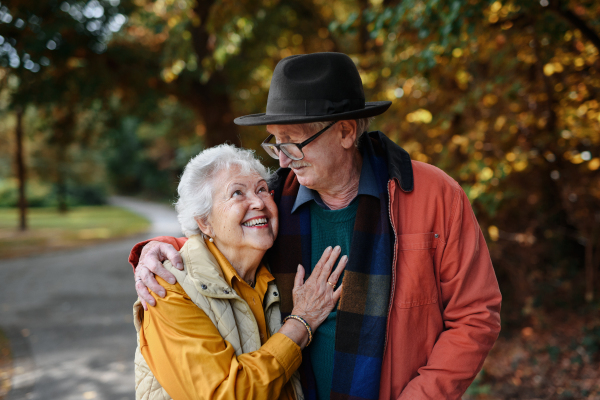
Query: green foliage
x,y
50,229
478,388
44,194
591,341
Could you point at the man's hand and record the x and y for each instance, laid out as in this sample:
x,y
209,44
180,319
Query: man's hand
x,y
153,254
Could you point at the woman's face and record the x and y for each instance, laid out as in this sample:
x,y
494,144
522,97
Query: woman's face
x,y
244,215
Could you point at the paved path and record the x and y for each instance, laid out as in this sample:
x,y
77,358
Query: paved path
x,y
68,316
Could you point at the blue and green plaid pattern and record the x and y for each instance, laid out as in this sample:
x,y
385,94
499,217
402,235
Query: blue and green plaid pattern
x,y
362,313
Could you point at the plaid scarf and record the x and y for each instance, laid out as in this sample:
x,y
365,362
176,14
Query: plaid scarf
x,y
362,313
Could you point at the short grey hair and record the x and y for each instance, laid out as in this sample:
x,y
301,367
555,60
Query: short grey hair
x,y
362,124
197,184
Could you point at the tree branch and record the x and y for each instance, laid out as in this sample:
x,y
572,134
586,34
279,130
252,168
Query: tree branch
x,y
576,21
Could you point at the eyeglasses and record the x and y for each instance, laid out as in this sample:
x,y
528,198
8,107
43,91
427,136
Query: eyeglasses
x,y
291,150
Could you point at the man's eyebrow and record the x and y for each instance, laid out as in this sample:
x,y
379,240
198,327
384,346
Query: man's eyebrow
x,y
284,136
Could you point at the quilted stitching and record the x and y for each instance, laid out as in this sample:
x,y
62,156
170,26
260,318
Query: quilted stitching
x,y
203,282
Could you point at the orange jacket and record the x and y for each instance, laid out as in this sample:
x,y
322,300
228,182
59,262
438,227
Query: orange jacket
x,y
445,304
444,313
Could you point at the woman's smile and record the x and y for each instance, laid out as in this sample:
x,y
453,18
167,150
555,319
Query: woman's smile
x,y
256,222
244,216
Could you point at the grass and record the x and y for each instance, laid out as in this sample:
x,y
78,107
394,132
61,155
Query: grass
x,y
50,230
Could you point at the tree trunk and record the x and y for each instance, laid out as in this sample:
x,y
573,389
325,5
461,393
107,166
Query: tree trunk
x,y
211,99
364,38
213,104
61,181
21,171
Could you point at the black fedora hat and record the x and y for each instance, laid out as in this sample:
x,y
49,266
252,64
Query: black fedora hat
x,y
315,87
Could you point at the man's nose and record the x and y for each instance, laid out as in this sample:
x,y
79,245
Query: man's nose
x,y
284,161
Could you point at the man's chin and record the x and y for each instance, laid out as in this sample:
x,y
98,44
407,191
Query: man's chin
x,y
304,180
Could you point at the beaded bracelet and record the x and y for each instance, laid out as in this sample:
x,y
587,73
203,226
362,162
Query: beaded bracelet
x,y
308,328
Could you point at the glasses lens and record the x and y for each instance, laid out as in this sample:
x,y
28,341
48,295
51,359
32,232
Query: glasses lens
x,y
271,150
292,151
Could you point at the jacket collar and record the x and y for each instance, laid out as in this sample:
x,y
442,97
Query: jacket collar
x,y
399,163
203,269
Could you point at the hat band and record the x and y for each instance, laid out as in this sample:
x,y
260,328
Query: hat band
x,y
313,107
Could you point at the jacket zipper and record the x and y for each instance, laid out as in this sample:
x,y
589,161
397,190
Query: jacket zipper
x,y
393,267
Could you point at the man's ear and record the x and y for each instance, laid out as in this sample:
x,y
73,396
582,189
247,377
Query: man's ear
x,y
204,226
348,130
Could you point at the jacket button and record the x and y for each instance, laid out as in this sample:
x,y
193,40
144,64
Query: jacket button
x,y
225,291
436,236
275,294
204,287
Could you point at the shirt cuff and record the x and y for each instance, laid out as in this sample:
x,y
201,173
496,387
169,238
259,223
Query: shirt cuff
x,y
285,351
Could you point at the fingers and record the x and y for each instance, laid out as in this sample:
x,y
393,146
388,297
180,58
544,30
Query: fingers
x,y
316,272
144,304
299,280
173,255
149,282
144,294
323,267
335,275
329,263
152,260
160,270
337,294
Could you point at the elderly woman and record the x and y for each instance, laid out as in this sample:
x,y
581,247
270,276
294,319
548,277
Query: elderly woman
x,y
218,333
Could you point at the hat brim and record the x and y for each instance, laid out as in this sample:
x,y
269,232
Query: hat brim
x,y
371,109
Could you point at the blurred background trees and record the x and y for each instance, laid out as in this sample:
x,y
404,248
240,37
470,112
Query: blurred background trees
x,y
117,95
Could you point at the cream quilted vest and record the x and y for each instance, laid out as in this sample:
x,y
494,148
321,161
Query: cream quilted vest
x,y
203,281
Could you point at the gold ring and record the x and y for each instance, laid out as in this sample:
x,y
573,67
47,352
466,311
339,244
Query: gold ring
x,y
331,284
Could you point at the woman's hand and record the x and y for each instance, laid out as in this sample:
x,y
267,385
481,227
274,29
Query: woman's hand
x,y
316,298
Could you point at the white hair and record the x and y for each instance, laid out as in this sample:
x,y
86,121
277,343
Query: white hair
x,y
362,124
197,184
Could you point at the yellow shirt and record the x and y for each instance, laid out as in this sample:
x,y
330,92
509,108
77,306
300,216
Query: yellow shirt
x,y
191,360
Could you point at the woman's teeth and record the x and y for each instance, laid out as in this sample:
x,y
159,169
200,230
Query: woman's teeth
x,y
254,222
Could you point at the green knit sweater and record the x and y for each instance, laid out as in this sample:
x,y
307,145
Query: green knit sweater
x,y
328,228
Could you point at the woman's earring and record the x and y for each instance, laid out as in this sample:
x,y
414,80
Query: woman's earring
x,y
210,239
272,192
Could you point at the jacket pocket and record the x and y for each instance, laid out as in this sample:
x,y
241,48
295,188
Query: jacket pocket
x,y
415,276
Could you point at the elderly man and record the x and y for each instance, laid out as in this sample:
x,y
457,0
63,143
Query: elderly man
x,y
420,306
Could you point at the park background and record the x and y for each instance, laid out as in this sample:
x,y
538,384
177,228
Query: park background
x,y
105,97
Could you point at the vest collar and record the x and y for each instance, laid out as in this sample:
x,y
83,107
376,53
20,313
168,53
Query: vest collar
x,y
204,271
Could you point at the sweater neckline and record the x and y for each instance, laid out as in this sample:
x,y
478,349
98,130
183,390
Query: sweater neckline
x,y
341,215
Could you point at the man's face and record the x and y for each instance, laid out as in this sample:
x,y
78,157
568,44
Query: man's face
x,y
317,170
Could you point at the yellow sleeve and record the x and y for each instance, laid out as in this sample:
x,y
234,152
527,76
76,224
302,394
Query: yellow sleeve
x,y
191,360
